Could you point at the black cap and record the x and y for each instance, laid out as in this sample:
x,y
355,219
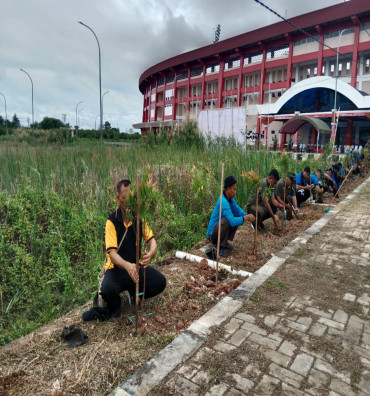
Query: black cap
x,y
229,181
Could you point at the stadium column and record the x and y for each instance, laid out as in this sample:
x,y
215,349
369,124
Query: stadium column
x,y
188,93
349,132
355,52
174,102
320,53
203,86
290,62
262,91
150,100
240,80
164,96
156,101
221,83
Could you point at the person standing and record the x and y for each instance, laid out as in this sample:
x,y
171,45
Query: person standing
x,y
232,216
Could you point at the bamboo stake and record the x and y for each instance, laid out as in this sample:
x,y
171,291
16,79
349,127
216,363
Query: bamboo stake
x,y
350,171
144,285
284,201
256,220
137,253
219,222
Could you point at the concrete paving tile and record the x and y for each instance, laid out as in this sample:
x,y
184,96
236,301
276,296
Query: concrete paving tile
x,y
325,367
241,383
253,328
285,375
276,357
245,317
317,329
232,326
287,348
224,347
183,386
302,364
217,390
266,386
239,337
341,388
187,371
264,341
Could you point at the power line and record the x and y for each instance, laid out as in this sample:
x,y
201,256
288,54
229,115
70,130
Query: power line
x,y
301,30
361,24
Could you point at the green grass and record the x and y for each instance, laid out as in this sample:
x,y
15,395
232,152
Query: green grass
x,y
54,201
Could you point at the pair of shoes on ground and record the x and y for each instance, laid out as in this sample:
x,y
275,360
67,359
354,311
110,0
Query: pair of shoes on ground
x,y
211,253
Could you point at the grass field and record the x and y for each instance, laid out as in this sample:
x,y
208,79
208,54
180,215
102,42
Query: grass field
x,y
54,201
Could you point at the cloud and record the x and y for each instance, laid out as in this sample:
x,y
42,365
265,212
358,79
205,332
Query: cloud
x,y
44,38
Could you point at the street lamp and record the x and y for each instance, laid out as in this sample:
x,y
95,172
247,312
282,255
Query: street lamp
x,y
79,111
100,98
76,111
335,123
6,115
102,102
33,124
95,120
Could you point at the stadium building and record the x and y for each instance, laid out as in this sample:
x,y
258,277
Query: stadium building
x,y
280,80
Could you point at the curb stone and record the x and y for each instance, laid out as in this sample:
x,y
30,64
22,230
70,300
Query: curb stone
x,y
153,372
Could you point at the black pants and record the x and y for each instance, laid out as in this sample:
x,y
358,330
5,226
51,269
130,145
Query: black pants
x,y
302,196
263,213
117,280
227,233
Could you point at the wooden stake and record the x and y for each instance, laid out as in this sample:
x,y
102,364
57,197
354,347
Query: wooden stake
x,y
350,171
256,220
219,222
137,253
284,202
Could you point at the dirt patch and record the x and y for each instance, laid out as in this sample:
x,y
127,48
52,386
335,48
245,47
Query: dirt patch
x,y
42,364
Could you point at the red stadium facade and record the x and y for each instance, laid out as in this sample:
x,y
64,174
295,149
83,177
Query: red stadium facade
x,y
258,81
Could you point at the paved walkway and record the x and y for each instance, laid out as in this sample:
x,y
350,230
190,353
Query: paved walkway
x,y
299,326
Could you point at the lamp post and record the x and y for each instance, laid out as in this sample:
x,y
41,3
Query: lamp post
x,y
79,111
95,120
335,122
102,103
33,123
76,112
6,115
100,98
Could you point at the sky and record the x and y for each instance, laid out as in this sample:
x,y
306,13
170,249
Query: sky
x,y
44,38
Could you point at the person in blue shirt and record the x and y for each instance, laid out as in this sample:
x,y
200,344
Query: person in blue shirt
x,y
303,185
232,216
317,186
329,175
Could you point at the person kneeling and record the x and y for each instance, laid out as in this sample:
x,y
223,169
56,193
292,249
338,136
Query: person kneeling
x,y
267,204
120,268
232,216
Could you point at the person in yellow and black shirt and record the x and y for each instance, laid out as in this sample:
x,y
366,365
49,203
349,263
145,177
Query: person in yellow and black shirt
x,y
121,273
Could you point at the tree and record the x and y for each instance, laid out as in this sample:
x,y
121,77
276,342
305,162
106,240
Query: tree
x,y
107,125
50,123
15,121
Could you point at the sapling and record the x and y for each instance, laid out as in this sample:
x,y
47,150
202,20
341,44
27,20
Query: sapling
x,y
253,181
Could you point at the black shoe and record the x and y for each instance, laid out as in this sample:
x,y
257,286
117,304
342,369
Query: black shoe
x,y
253,224
261,226
229,246
223,253
211,253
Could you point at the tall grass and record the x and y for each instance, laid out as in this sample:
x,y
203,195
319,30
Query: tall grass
x,y
54,201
